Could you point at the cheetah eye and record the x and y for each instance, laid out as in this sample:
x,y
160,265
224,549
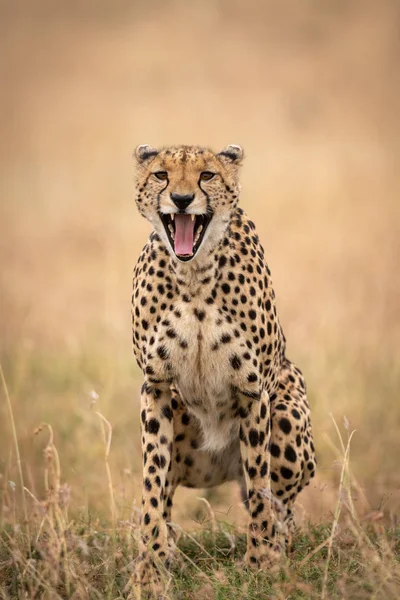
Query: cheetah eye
x,y
206,175
161,175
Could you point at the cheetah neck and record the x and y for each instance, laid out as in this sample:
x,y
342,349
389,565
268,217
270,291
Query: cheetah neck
x,y
198,276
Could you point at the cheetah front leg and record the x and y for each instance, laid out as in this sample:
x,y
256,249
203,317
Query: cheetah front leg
x,y
157,438
263,550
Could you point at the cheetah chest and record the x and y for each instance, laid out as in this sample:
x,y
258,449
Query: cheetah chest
x,y
207,359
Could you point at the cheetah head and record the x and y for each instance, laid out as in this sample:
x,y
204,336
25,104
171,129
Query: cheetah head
x,y
188,194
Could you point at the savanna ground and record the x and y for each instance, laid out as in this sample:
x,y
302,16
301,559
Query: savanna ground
x,y
311,90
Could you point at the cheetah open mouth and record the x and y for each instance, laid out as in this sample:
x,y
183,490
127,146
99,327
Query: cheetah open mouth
x,y
185,232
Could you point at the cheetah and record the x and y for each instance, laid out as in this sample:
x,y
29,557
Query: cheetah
x,y
220,401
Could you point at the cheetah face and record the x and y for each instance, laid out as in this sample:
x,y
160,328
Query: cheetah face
x,y
188,194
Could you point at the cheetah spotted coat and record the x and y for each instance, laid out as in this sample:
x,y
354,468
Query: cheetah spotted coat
x,y
220,400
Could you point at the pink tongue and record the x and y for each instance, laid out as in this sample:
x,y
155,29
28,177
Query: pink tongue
x,y
184,230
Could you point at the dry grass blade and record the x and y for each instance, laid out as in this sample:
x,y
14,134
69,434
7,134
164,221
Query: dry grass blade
x,y
343,479
210,512
107,436
17,453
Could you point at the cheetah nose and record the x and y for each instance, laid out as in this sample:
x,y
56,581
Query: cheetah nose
x,y
182,201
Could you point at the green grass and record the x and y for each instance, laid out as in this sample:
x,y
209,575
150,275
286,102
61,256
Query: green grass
x,y
79,536
96,562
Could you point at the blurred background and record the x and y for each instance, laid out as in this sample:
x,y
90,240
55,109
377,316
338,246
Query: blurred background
x,y
311,91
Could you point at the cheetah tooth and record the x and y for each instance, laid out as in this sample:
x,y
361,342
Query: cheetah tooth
x,y
172,215
193,216
199,229
197,236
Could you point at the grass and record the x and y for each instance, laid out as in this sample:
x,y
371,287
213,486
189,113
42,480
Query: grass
x,y
88,559
53,547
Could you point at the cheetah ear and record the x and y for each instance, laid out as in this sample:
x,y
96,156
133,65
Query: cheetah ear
x,y
232,154
144,152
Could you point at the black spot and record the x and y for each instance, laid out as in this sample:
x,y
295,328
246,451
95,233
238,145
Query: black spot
x,y
253,559
171,333
226,288
162,352
235,361
290,454
146,519
153,426
252,471
167,412
275,450
252,377
145,324
226,338
200,314
147,484
222,260
285,425
296,413
188,461
286,473
154,502
185,419
253,437
264,469
252,314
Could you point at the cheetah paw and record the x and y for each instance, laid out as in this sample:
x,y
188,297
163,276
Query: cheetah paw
x,y
147,581
268,560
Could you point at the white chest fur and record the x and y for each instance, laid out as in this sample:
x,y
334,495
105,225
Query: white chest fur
x,y
200,344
